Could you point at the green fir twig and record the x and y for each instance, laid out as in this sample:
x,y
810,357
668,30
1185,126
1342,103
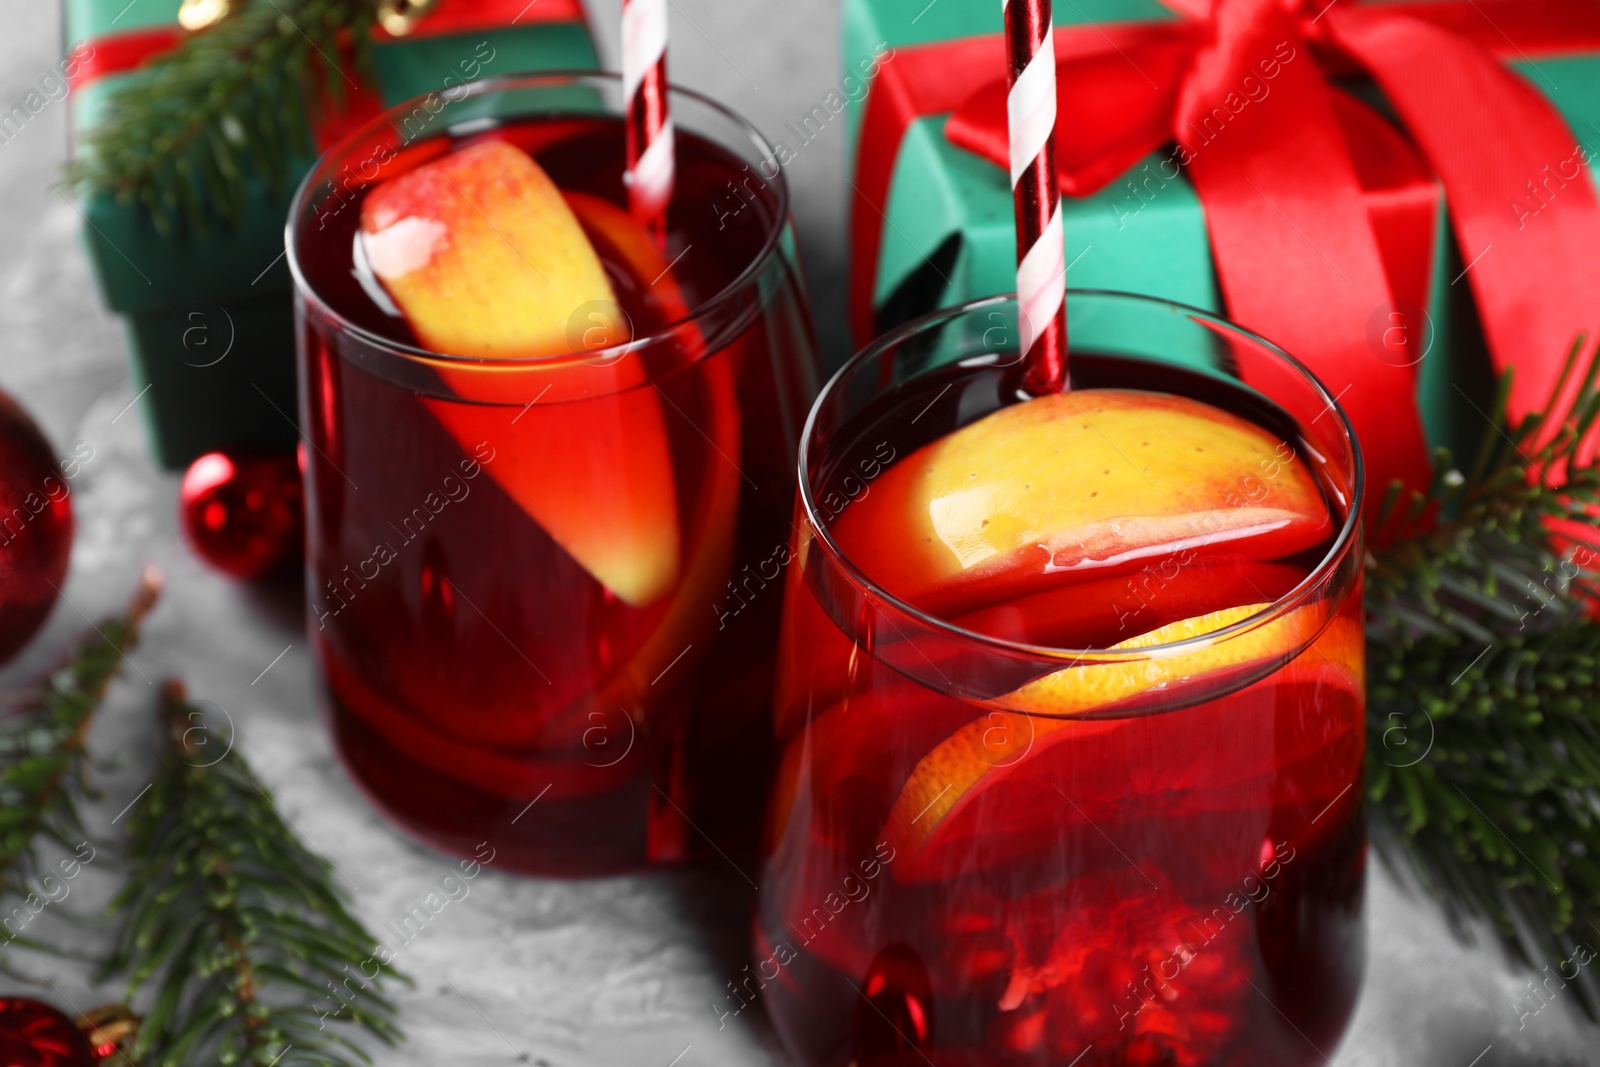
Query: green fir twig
x,y
232,100
43,763
1484,684
235,941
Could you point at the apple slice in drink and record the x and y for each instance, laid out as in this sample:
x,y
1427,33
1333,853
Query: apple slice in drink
x,y
1098,480
486,260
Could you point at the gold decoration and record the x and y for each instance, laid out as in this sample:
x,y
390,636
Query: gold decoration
x,y
198,14
399,16
111,1029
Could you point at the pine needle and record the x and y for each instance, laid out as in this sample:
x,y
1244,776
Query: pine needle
x,y
232,99
235,940
42,759
1484,685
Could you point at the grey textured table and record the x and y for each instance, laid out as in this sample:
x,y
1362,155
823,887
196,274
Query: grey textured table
x,y
621,971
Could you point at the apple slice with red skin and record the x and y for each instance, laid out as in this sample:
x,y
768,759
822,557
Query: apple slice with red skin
x,y
482,254
522,744
1097,480
711,532
485,259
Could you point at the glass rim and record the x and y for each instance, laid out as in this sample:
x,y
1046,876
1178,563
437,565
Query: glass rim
x,y
748,276
1277,609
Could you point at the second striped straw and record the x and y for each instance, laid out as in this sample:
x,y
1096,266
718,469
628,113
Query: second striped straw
x,y
648,122
1041,254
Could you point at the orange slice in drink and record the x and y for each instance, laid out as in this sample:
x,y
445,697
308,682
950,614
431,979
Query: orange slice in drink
x,y
817,657
486,259
1070,704
687,619
1041,492
849,757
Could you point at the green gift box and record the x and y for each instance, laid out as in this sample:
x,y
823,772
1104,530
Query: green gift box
x,y
932,220
209,316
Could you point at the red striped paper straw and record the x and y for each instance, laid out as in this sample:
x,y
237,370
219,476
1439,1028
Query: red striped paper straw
x,y
1041,254
648,123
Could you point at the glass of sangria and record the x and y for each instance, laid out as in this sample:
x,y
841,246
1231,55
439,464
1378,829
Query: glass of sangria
x,y
549,456
1070,705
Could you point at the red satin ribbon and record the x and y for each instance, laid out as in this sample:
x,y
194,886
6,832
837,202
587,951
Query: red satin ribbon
x,y
1310,240
117,53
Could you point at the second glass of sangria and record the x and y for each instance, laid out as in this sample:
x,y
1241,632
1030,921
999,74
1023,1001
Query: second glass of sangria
x,y
1070,705
549,455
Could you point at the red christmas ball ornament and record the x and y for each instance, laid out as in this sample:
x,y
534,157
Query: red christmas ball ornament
x,y
33,1034
35,527
242,513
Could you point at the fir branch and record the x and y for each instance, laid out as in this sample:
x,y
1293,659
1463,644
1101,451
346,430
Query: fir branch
x,y
42,757
230,101
234,933
1475,571
1484,684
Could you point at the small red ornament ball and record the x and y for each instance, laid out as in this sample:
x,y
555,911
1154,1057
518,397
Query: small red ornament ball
x,y
35,527
33,1034
242,513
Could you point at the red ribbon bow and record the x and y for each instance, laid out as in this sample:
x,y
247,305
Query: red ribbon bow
x,y
1310,199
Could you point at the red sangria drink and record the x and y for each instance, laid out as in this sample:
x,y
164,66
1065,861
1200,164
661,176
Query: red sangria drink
x,y
549,457
1070,706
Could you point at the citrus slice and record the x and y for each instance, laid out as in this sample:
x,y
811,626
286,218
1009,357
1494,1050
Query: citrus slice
x,y
1054,709
678,628
1098,686
1096,479
687,620
816,656
1099,612
486,259
849,757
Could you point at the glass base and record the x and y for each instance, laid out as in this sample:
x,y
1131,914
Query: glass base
x,y
601,833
